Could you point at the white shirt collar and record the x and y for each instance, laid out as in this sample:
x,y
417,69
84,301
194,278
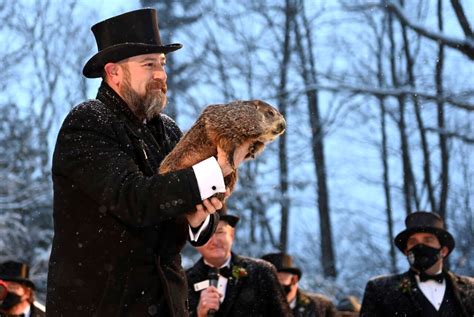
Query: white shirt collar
x,y
226,263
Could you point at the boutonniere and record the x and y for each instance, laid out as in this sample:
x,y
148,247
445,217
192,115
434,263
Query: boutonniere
x,y
238,272
405,286
304,301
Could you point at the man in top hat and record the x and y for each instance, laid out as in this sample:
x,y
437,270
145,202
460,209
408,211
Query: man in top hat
x,y
301,303
426,289
120,227
245,286
17,296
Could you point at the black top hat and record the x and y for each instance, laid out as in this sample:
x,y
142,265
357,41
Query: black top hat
x,y
126,35
16,272
422,221
283,263
230,219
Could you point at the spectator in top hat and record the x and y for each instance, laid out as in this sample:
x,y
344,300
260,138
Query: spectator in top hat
x,y
426,289
246,286
301,303
19,299
119,226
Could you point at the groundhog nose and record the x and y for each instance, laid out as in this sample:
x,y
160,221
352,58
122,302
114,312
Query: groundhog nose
x,y
280,127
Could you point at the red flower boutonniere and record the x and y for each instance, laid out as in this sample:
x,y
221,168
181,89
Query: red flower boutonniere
x,y
239,272
405,286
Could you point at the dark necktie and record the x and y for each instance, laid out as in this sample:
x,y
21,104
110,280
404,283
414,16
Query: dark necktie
x,y
223,271
437,278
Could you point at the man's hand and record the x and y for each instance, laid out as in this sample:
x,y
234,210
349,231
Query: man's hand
x,y
239,156
208,206
209,299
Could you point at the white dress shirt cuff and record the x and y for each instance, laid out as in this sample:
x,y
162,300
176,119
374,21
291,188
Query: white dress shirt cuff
x,y
209,178
195,237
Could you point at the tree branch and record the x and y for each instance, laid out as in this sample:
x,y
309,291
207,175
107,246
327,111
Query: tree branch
x,y
465,46
466,27
391,92
451,134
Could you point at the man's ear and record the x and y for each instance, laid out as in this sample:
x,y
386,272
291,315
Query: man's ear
x,y
112,72
444,251
28,293
294,279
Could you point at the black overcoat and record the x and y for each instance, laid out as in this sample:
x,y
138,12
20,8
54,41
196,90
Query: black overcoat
x,y
118,226
313,305
256,294
397,295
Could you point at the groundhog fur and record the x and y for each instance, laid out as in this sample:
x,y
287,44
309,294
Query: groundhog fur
x,y
228,126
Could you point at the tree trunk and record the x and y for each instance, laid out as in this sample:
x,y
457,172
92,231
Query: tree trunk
x,y
444,175
384,153
419,120
317,145
409,190
282,151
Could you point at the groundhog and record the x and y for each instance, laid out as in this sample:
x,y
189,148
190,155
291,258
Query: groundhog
x,y
228,126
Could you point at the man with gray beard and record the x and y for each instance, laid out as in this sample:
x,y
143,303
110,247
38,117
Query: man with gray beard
x,y
119,227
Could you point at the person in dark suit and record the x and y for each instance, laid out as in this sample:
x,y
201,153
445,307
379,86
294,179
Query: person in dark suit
x,y
302,304
245,287
427,288
17,294
119,227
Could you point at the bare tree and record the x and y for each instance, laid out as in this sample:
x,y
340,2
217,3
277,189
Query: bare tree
x,y
443,146
282,142
305,52
39,86
465,46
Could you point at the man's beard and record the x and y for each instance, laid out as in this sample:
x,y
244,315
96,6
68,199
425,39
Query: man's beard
x,y
145,106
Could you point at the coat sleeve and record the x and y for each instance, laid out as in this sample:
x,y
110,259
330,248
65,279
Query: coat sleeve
x,y
208,232
91,157
370,301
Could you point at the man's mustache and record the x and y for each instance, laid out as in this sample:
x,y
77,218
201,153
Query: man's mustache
x,y
160,85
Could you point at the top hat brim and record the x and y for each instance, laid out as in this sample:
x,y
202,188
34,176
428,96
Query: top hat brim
x,y
230,219
112,54
19,280
292,270
444,237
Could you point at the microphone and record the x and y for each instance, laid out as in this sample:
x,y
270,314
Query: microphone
x,y
213,277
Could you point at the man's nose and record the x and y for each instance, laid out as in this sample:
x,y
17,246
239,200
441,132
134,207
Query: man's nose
x,y
160,75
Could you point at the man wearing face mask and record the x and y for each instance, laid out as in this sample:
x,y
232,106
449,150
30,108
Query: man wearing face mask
x,y
301,303
17,291
426,289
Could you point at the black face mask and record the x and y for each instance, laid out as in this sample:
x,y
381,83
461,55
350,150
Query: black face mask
x,y
286,288
10,301
422,257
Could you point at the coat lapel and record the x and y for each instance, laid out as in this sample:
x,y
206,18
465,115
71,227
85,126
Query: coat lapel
x,y
233,288
199,272
457,291
414,293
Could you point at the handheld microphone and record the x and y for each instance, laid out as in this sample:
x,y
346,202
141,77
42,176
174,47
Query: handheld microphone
x,y
213,277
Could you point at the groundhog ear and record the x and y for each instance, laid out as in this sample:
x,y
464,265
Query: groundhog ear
x,y
255,103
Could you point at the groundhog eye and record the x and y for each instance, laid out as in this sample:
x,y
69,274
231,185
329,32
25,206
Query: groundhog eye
x,y
270,113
